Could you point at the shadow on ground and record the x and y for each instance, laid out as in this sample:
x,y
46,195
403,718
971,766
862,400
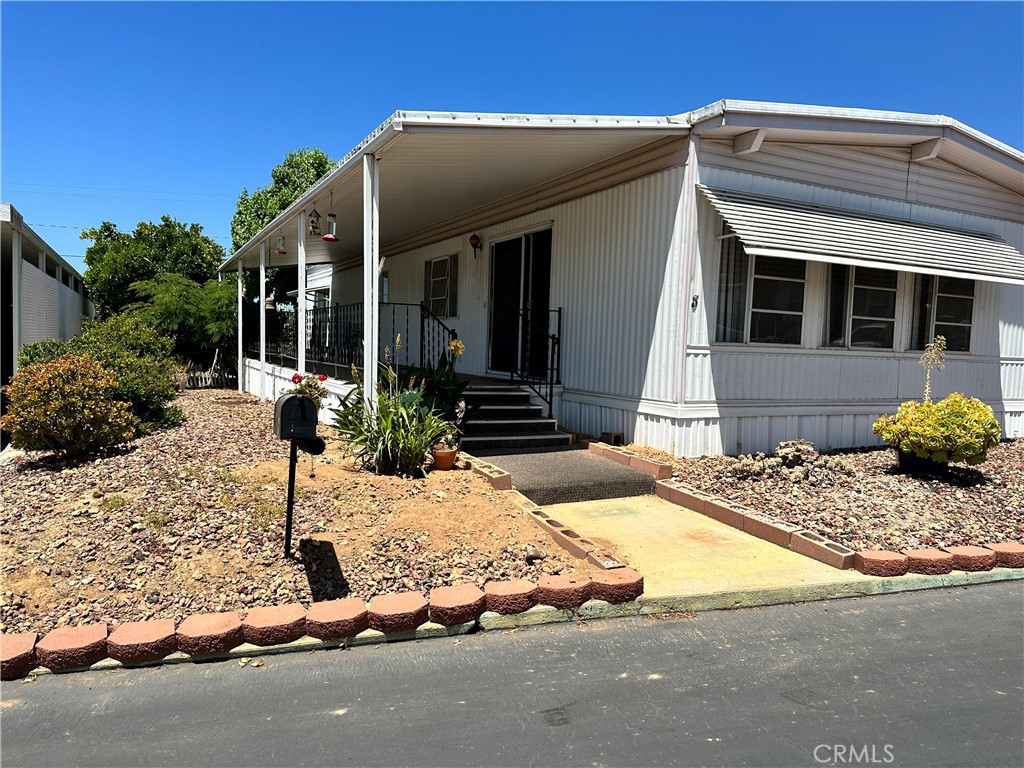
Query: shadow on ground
x,y
323,571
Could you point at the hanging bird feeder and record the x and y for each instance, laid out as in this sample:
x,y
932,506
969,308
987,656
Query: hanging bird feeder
x,y
331,235
314,222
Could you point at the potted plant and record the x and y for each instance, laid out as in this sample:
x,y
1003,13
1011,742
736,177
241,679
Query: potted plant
x,y
446,451
929,436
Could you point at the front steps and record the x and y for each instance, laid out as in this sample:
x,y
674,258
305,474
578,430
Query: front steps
x,y
503,420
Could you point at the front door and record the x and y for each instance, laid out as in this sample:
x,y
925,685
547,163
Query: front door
x,y
520,303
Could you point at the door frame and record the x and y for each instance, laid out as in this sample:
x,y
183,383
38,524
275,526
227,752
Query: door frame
x,y
490,240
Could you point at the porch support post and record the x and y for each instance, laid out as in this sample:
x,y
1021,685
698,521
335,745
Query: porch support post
x,y
263,319
300,305
241,349
17,265
371,259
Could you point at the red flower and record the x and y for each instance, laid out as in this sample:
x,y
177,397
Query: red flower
x,y
321,377
297,378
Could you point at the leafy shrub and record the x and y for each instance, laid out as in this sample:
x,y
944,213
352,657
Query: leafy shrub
x,y
137,356
955,429
396,439
66,406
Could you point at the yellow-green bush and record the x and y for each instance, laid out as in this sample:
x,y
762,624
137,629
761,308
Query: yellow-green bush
x,y
66,406
955,429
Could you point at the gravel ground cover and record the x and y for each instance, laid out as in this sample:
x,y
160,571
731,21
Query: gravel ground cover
x,y
867,504
192,520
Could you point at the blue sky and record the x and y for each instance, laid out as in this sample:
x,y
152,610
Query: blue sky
x,y
127,111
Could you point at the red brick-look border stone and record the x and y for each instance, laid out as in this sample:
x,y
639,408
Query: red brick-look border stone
x,y
778,532
681,495
203,634
335,619
617,586
456,605
72,647
881,563
1009,554
17,654
273,625
564,591
659,469
723,513
398,611
508,597
140,641
931,562
972,558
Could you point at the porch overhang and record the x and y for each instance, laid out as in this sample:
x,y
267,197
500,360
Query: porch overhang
x,y
784,228
436,167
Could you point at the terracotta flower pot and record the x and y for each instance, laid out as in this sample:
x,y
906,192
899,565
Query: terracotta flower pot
x,y
444,458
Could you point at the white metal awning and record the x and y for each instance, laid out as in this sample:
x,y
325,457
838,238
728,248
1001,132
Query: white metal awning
x,y
772,227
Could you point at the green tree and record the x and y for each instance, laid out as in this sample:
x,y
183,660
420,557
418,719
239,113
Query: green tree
x,y
200,318
117,259
297,173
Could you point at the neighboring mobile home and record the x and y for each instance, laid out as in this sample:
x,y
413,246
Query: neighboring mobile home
x,y
710,282
41,296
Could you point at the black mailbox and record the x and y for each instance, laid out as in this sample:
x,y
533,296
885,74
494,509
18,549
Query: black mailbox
x,y
295,416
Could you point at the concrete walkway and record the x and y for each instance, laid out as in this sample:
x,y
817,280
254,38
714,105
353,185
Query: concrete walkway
x,y
681,552
555,477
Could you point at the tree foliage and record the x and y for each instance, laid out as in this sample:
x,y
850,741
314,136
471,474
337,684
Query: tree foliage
x,y
297,173
200,318
117,259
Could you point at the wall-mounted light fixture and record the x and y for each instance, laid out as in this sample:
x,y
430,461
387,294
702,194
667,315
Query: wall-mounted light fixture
x,y
314,222
474,241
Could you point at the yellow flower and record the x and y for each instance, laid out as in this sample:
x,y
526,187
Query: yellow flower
x,y
456,347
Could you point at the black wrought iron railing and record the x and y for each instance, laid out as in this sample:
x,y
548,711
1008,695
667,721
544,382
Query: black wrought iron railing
x,y
435,337
540,358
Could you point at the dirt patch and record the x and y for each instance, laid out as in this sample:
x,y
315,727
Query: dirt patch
x,y
192,519
870,505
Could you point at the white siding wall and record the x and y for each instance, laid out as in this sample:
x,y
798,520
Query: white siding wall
x,y
49,309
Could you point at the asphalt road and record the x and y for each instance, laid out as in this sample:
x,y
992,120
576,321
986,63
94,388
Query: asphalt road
x,y
915,679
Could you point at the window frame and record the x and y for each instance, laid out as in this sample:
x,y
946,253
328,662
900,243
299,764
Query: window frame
x,y
429,299
848,309
931,320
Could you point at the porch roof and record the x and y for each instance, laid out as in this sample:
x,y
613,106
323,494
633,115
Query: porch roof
x,y
772,227
436,166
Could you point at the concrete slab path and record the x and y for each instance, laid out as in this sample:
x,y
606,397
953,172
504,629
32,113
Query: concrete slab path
x,y
681,552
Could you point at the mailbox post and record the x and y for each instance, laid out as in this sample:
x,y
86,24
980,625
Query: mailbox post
x,y
295,420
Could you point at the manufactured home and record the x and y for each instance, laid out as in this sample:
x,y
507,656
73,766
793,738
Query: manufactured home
x,y
710,282
41,295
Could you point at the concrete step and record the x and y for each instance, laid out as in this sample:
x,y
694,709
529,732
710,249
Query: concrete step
x,y
508,412
494,427
479,444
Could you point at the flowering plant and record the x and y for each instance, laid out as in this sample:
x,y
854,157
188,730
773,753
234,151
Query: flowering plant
x,y
955,429
309,385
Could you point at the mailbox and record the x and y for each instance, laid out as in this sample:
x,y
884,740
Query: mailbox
x,y
295,416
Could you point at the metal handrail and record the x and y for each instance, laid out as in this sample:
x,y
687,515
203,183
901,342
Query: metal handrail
x,y
432,330
543,385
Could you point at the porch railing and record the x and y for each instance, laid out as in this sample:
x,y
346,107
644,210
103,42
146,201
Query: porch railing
x,y
540,359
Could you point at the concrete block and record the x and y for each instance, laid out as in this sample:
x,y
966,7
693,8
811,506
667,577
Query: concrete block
x,y
142,641
17,655
334,619
821,549
617,586
508,597
881,563
1009,554
771,529
274,625
563,591
398,611
680,494
456,605
928,561
972,558
206,634
723,512
72,647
